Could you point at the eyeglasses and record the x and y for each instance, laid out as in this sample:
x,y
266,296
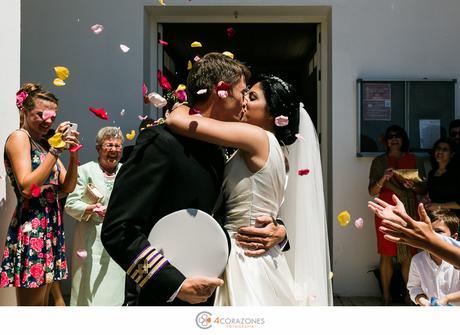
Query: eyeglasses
x,y
391,136
110,146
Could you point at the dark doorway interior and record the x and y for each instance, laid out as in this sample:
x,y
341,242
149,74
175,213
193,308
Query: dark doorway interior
x,y
282,49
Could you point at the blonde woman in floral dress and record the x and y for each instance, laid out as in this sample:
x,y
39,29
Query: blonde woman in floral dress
x,y
34,252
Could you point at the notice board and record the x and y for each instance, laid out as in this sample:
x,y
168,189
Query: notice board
x,y
424,108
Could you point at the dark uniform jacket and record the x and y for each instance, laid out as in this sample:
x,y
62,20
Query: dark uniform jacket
x,y
164,173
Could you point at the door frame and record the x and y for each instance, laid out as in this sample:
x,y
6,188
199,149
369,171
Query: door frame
x,y
321,15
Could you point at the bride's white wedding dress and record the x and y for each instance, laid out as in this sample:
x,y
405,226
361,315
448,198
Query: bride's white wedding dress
x,y
264,280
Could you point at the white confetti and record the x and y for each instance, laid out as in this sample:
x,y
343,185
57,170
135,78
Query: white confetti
x,y
202,91
123,112
124,48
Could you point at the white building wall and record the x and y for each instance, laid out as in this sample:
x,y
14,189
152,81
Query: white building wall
x,y
380,38
10,56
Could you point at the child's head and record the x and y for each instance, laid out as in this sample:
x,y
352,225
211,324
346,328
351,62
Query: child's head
x,y
445,222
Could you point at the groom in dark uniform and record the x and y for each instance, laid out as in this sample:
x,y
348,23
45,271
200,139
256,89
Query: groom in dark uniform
x,y
167,172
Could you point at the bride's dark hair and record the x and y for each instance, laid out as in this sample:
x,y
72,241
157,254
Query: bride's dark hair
x,y
281,100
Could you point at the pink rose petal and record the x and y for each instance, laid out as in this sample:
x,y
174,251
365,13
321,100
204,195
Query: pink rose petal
x,y
303,172
300,137
97,28
194,111
222,94
163,42
48,114
359,223
230,32
82,253
196,58
281,121
76,148
145,89
124,48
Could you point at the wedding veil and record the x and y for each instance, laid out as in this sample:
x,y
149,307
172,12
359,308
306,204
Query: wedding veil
x,y
304,215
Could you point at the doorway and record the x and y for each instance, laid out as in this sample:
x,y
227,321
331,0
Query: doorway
x,y
282,49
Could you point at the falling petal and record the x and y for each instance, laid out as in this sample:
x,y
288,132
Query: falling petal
x,y
228,54
163,81
61,72
124,48
122,113
194,111
303,172
142,118
230,32
281,121
145,89
196,58
162,2
222,94
131,135
189,65
163,42
331,274
181,87
202,91
56,141
157,100
343,218
181,95
99,112
196,44
300,137
48,114
82,253
97,28
76,148
359,223
58,82
35,190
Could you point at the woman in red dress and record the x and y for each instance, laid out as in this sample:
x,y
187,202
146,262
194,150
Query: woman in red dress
x,y
384,185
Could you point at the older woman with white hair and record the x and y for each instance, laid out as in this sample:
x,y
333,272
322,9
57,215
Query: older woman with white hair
x,y
96,279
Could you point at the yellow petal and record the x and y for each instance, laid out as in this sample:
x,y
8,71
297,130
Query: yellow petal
x,y
181,87
343,218
131,135
196,44
58,82
331,274
56,141
62,72
189,65
228,54
162,2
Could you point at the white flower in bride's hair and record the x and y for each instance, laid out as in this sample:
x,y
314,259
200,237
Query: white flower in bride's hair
x,y
281,121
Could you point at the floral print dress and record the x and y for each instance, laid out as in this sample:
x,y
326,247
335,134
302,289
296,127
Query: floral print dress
x,y
34,253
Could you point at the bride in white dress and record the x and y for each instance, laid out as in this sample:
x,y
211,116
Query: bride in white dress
x,y
255,179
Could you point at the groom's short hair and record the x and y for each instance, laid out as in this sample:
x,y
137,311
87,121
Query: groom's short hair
x,y
209,70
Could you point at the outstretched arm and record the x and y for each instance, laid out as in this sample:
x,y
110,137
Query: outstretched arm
x,y
398,226
227,134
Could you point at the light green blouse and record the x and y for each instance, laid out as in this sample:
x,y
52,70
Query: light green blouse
x,y
96,280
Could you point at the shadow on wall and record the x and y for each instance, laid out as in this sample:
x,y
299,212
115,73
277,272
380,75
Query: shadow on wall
x,y
7,205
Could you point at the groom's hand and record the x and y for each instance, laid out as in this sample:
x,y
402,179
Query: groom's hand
x,y
258,239
198,289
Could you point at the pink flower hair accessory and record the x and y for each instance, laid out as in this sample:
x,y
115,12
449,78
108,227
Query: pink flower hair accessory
x,y
281,121
21,96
